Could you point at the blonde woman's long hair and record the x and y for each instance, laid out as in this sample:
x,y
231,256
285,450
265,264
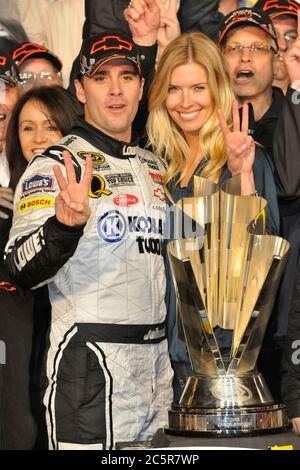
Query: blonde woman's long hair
x,y
165,136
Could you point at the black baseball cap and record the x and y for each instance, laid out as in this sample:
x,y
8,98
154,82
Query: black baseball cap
x,y
31,50
8,70
246,17
106,46
276,8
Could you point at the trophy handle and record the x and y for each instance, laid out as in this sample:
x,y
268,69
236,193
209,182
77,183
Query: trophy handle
x,y
245,356
202,346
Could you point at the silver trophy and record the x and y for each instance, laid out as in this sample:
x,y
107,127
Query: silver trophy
x,y
226,281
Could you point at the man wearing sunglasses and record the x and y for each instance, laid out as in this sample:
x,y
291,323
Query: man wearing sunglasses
x,y
248,42
37,66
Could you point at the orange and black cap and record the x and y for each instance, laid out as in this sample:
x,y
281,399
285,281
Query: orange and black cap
x,y
31,50
277,8
99,49
246,17
8,70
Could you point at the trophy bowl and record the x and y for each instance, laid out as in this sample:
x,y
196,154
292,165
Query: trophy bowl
x,y
225,280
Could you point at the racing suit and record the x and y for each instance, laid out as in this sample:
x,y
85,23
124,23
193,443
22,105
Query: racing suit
x,y
108,370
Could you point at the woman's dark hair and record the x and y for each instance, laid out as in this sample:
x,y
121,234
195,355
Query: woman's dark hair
x,y
62,108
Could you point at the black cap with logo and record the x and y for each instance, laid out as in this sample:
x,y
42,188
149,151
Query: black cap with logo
x,y
99,49
8,70
246,17
31,50
277,8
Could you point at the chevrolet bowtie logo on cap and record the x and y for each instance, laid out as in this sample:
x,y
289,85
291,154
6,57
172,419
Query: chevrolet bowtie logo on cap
x,y
276,8
246,17
31,50
111,42
99,49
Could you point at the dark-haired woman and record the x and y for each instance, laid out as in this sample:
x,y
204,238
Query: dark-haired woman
x,y
40,118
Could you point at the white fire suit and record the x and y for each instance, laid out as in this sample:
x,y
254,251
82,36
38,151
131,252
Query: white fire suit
x,y
108,371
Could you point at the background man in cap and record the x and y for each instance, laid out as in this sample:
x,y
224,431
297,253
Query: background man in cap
x,y
8,98
99,247
250,85
248,42
17,428
283,14
37,66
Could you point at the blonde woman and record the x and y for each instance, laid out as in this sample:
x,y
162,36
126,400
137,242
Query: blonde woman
x,y
188,130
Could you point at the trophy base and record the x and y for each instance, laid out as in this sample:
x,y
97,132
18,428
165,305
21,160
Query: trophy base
x,y
227,405
228,422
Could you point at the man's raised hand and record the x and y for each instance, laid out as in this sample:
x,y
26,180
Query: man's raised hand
x,y
72,203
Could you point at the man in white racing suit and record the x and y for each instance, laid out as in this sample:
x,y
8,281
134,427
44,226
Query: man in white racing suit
x,y
89,222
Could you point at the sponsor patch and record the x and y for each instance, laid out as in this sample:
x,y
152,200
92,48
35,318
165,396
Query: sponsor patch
x,y
125,200
38,192
149,245
69,140
152,164
97,158
113,226
120,179
130,150
157,207
29,249
35,203
156,177
158,192
99,162
37,182
97,187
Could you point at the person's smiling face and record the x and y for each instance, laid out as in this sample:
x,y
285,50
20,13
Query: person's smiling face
x,y
111,98
189,101
36,129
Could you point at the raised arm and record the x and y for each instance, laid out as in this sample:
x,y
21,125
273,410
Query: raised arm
x,y
240,147
143,17
47,225
287,135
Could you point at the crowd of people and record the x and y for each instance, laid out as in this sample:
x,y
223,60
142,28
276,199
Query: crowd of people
x,y
159,92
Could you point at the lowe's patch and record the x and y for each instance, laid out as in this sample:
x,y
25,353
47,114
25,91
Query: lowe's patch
x,y
35,203
37,182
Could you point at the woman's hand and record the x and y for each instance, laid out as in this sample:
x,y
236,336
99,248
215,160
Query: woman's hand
x,y
72,204
240,147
